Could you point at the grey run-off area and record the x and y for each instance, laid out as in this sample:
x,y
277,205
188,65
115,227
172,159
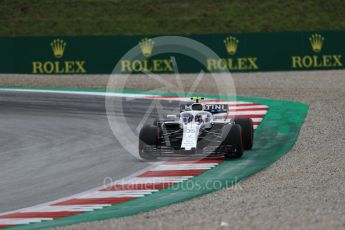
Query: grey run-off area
x,y
303,190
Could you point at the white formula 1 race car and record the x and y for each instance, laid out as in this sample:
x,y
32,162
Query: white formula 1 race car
x,y
200,129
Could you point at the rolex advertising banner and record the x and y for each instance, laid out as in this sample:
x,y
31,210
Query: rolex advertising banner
x,y
242,52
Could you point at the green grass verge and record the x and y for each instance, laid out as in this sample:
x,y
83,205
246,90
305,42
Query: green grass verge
x,y
105,17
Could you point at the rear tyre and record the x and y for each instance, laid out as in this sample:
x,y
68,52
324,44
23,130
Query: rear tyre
x,y
233,138
247,131
148,141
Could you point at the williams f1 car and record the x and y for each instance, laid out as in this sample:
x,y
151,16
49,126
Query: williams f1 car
x,y
200,129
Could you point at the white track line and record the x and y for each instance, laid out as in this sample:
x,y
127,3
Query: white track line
x,y
77,92
153,180
257,119
259,112
22,220
248,107
74,208
183,167
122,193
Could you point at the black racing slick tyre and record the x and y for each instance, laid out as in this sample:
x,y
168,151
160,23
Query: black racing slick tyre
x,y
148,140
247,131
233,137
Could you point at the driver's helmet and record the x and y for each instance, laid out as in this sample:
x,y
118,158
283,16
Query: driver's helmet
x,y
198,118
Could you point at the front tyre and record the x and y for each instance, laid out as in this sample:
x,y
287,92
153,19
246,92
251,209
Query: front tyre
x,y
232,136
148,141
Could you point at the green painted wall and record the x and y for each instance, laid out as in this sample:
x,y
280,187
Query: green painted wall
x,y
246,52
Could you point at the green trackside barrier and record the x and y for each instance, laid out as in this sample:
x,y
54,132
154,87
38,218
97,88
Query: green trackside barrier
x,y
238,52
7,55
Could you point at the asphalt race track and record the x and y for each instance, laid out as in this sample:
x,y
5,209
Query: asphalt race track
x,y
56,145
